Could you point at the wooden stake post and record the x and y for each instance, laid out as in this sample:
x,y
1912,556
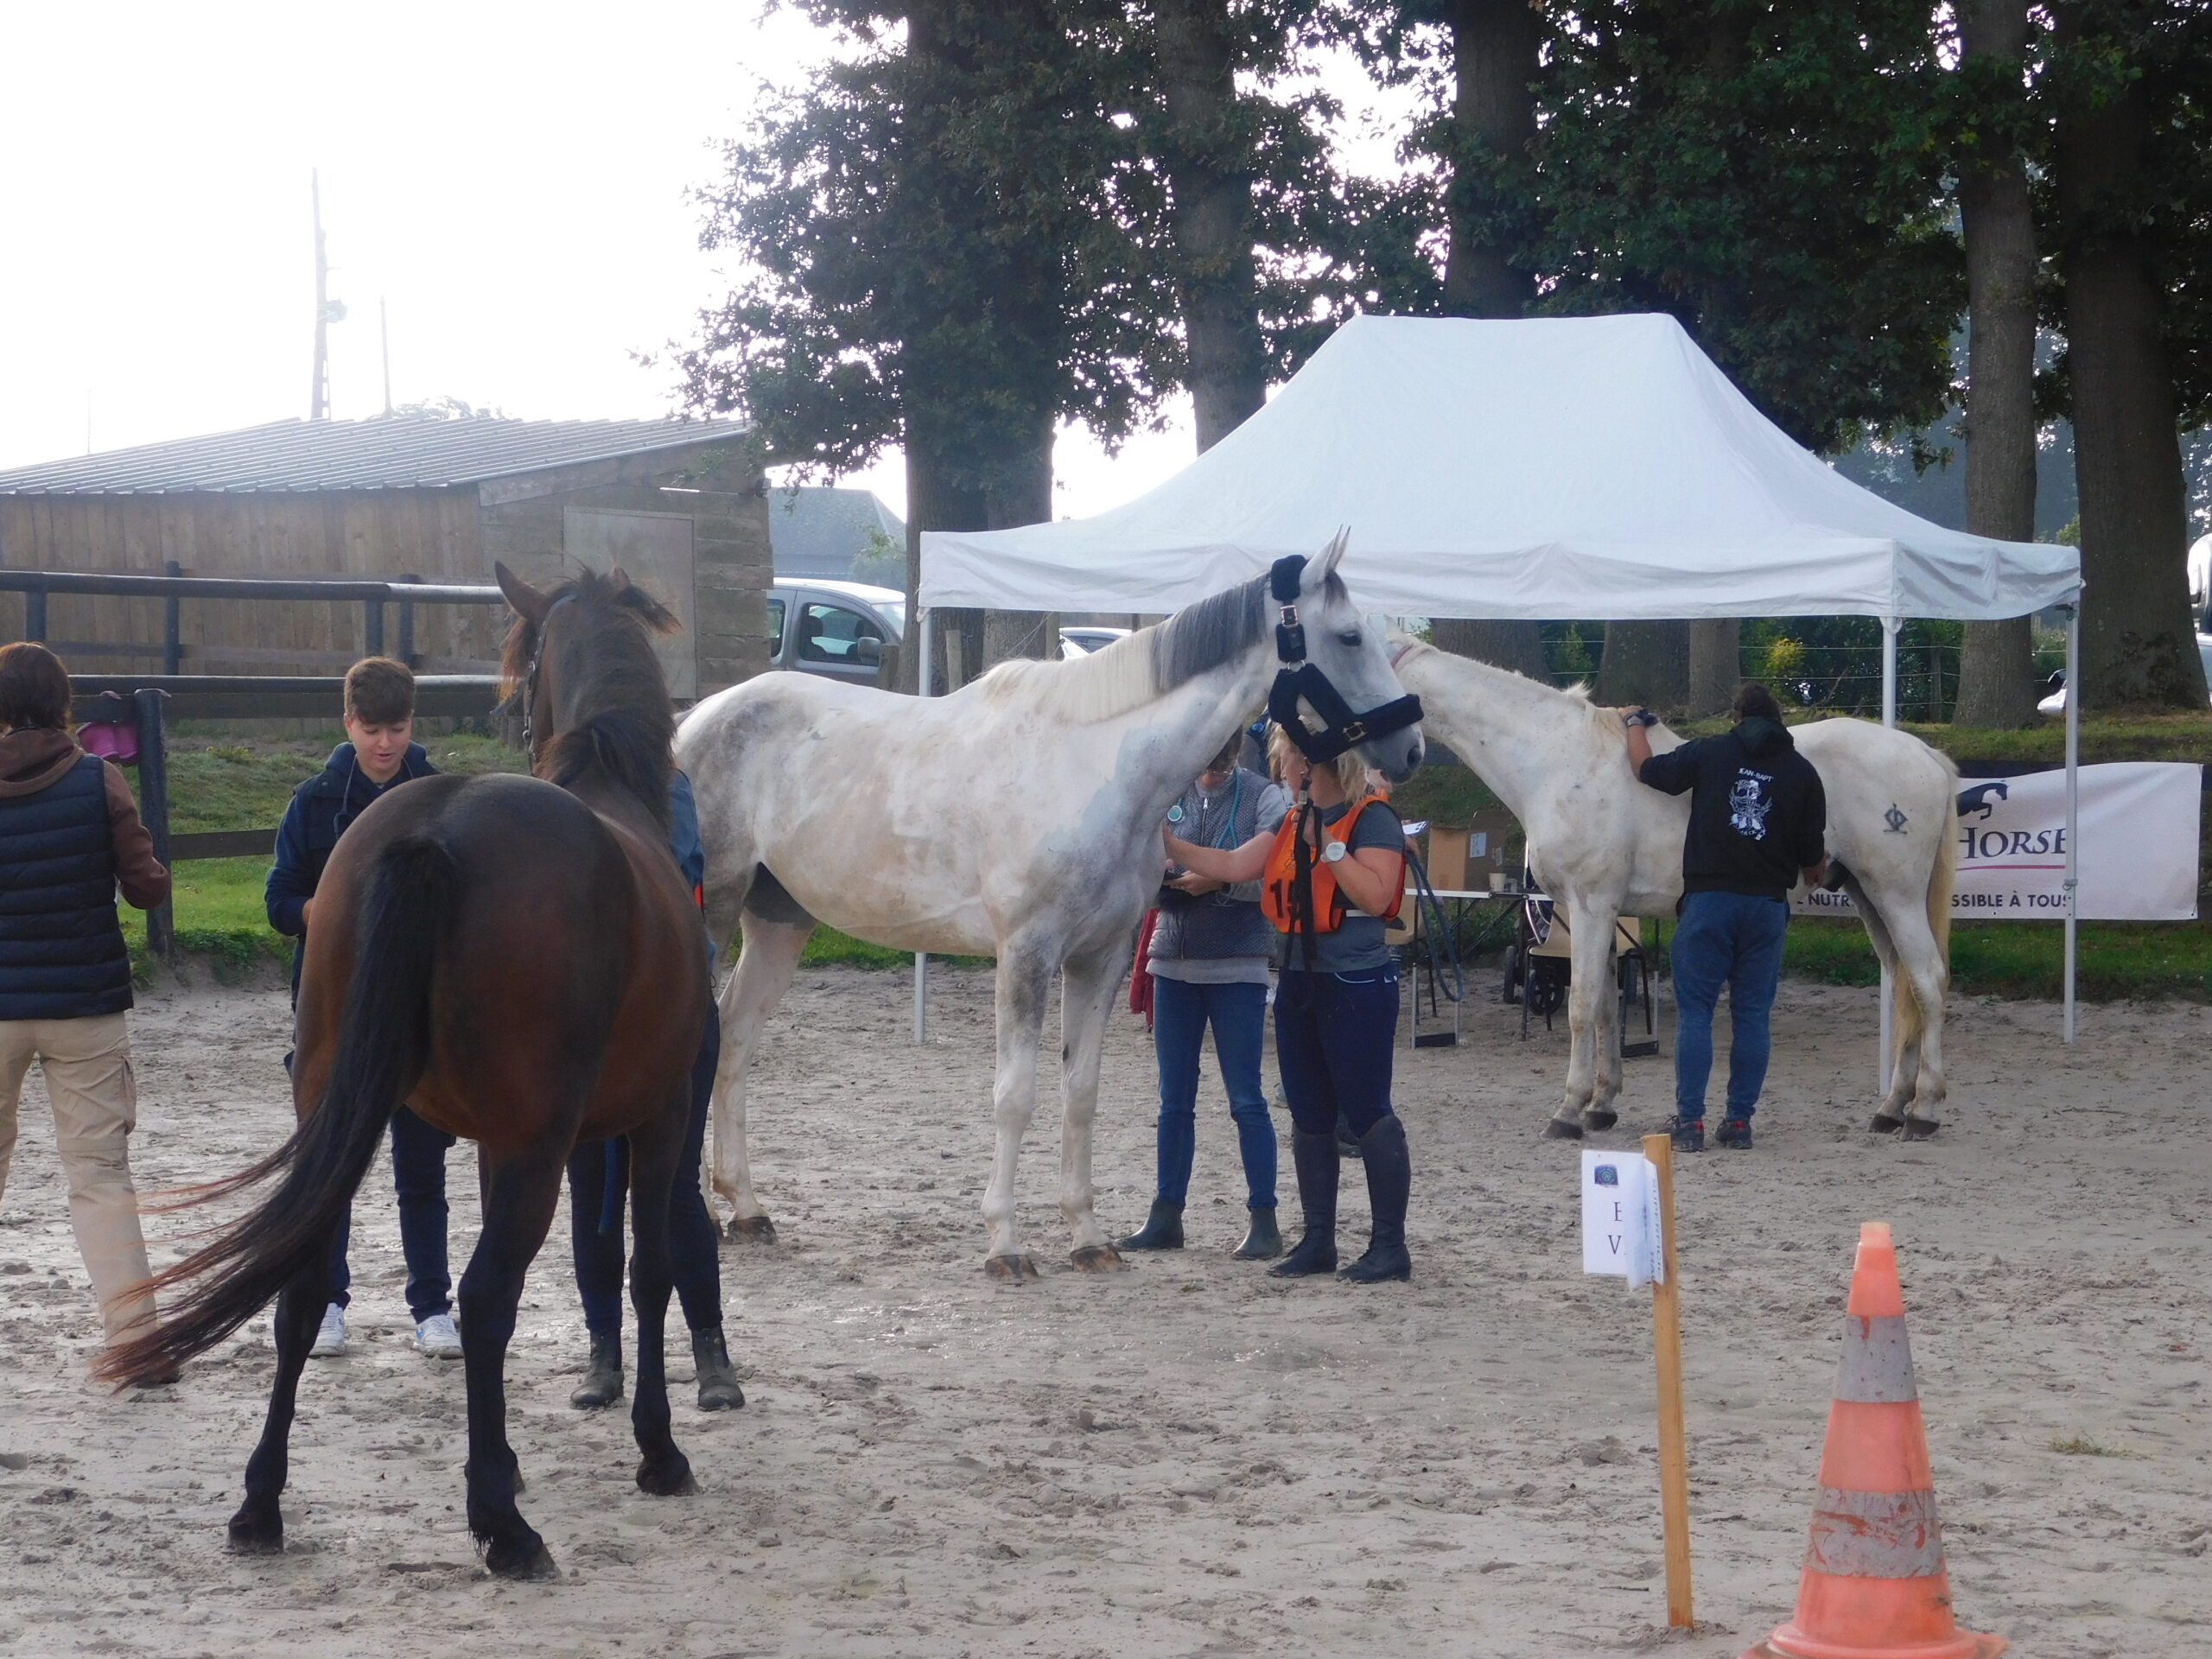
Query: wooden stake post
x,y
1667,1354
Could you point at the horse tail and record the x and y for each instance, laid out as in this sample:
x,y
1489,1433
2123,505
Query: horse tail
x,y
1909,1015
383,1043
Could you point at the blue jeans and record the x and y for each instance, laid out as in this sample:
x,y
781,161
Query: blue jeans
x,y
1335,1036
694,1263
1180,1012
1732,939
418,1174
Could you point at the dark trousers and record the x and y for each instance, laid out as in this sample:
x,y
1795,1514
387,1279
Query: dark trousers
x,y
1238,1014
1730,939
418,1172
595,1205
1336,1037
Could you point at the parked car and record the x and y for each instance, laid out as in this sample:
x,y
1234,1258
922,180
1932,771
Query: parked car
x,y
839,629
2056,703
836,629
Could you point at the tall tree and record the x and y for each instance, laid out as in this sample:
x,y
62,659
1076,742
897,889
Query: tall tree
x,y
1997,685
2131,101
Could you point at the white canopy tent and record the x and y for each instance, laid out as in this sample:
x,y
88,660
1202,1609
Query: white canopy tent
x,y
1598,467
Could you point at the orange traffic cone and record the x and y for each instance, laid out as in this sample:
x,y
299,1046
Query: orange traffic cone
x,y
1874,1585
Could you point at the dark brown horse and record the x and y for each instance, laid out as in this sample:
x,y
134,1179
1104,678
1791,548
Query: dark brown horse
x,y
516,960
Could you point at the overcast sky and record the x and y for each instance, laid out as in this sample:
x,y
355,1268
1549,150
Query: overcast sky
x,y
511,180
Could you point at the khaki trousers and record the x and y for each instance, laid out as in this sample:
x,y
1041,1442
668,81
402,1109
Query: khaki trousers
x,y
87,1068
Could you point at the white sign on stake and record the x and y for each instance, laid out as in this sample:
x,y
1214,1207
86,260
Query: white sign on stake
x,y
1620,1217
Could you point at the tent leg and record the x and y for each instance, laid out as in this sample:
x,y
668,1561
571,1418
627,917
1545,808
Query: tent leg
x,y
2073,795
1890,624
924,680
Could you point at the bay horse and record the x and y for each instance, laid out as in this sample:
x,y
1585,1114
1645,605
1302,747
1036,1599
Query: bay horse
x,y
519,961
1018,818
1603,845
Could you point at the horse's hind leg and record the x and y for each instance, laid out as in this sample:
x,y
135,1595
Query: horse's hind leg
x,y
258,1526
1918,1087
765,965
1904,1052
1087,989
520,1193
654,1155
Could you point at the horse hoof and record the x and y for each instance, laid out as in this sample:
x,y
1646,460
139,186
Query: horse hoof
x,y
667,1479
1884,1124
1919,1128
759,1229
1562,1128
1012,1268
524,1561
254,1533
1097,1258
1600,1117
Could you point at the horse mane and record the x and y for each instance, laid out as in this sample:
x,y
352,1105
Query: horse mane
x,y
1406,646
627,730
1148,664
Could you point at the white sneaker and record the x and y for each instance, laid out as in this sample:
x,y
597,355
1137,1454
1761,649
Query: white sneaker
x,y
437,1338
330,1339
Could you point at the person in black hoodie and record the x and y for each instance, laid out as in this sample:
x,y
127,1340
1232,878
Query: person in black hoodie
x,y
379,755
1758,817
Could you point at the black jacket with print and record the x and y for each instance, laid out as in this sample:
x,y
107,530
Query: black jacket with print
x,y
1757,812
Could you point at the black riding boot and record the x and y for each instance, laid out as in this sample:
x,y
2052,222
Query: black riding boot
x,y
1389,1179
1314,1157
718,1390
1262,1239
602,1383
1163,1228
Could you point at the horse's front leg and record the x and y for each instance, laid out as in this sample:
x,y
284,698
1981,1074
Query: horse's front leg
x,y
1088,986
1024,972
766,966
1592,953
1605,1043
655,1153
258,1526
520,1194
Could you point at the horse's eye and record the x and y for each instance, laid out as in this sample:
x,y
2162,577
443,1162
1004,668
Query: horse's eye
x,y
1349,639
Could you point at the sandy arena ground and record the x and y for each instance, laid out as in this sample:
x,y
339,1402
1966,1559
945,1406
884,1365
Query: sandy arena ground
x,y
1189,1458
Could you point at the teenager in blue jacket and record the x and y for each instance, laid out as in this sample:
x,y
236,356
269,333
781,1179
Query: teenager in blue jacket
x,y
379,755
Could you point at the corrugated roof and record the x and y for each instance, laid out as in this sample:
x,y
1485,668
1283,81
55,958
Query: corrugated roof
x,y
390,452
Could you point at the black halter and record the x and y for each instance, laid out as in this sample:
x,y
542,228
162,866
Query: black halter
x,y
530,678
1342,728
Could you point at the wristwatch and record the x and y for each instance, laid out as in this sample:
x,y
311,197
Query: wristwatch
x,y
1334,853
1641,717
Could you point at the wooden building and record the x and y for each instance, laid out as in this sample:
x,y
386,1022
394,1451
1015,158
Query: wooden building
x,y
680,506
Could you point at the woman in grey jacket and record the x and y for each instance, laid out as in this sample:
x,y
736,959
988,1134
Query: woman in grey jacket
x,y
1210,951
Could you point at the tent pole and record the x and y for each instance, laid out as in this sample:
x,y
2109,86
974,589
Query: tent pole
x,y
925,682
2072,794
1890,624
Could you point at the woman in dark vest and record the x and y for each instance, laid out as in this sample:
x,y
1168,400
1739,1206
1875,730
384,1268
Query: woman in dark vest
x,y
1211,952
69,833
1329,875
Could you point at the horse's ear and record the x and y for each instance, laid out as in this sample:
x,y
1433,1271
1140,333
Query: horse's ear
x,y
1319,569
528,604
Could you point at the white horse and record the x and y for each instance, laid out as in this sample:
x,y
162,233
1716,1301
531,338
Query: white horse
x,y
1018,818
1603,845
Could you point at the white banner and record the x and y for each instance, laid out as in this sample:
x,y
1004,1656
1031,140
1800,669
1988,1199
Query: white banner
x,y
2138,852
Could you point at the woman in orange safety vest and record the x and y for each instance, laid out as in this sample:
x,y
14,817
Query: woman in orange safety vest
x,y
1329,875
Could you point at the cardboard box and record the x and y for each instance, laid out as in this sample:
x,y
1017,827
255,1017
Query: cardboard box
x,y
1463,860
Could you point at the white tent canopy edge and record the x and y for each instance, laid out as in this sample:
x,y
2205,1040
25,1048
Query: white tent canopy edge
x,y
1593,467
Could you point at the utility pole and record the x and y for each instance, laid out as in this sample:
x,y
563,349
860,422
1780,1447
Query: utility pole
x,y
384,336
326,311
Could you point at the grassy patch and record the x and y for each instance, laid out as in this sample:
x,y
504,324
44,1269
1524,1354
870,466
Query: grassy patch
x,y
2081,1445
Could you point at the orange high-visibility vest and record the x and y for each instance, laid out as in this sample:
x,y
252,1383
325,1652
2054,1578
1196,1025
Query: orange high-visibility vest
x,y
1280,899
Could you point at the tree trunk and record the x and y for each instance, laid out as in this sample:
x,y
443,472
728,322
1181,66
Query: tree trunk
x,y
1646,662
1997,683
1716,665
2137,638
1497,48
934,501
1516,646
1021,494
1211,211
